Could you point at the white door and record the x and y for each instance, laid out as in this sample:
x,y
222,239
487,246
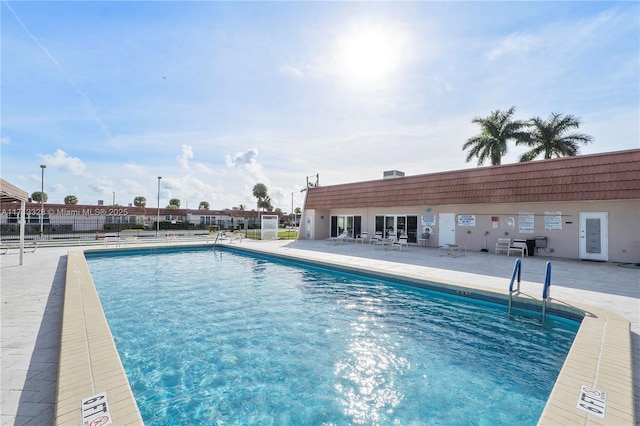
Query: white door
x,y
594,236
447,231
308,227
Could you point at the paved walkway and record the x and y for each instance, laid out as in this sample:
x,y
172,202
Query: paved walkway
x,y
31,304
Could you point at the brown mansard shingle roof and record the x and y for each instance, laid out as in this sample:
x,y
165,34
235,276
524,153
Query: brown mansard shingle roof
x,y
609,176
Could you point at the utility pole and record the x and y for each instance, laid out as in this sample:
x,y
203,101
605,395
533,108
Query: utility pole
x,y
42,166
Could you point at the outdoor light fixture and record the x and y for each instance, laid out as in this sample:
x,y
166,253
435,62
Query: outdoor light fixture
x,y
42,166
158,218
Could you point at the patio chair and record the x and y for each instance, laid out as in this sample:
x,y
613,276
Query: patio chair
x,y
503,245
377,239
518,246
423,240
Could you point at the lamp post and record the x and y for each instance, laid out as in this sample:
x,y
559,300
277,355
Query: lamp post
x,y
292,219
42,166
113,203
158,218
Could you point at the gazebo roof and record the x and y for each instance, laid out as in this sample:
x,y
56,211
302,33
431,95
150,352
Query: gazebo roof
x,y
10,193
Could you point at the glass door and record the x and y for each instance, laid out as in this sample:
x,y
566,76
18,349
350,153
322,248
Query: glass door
x,y
390,226
401,226
397,226
350,224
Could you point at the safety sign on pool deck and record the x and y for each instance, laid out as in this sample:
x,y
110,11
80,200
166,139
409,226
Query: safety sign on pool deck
x,y
95,410
592,401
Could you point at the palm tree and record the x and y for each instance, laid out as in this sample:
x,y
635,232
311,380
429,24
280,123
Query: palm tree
x,y
551,137
497,130
260,192
39,196
71,199
140,201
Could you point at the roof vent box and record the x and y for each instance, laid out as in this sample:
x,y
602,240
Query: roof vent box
x,y
392,174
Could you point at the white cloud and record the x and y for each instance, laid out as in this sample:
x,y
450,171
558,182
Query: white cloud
x,y
5,140
134,169
185,155
102,187
133,187
60,160
242,159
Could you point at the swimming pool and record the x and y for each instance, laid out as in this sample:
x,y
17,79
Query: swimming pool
x,y
215,335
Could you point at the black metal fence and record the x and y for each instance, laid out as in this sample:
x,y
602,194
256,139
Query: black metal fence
x,y
90,228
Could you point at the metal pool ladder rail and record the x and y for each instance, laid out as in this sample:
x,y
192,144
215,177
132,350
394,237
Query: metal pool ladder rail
x,y
546,292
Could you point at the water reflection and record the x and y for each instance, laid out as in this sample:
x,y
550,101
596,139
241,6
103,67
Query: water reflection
x,y
366,374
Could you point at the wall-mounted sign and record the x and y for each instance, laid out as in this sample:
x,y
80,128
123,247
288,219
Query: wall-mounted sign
x,y
526,223
466,220
429,220
553,221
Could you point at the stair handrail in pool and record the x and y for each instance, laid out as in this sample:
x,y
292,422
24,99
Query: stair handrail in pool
x,y
215,242
546,291
517,271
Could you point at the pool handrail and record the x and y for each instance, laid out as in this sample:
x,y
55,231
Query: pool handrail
x,y
546,291
517,271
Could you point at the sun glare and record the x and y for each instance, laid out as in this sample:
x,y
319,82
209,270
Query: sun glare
x,y
369,56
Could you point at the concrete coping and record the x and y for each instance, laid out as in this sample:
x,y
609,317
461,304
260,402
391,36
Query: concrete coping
x,y
600,356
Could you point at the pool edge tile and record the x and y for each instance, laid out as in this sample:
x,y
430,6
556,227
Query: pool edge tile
x,y
85,339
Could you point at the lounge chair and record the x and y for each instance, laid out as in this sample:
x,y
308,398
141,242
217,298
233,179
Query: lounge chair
x,y
454,250
503,245
343,237
234,236
362,237
29,247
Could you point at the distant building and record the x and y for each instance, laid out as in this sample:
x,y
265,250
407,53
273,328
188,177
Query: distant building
x,y
65,218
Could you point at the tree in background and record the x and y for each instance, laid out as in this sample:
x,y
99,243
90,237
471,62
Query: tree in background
x,y
260,192
496,131
174,203
71,199
140,201
39,197
204,205
553,137
265,204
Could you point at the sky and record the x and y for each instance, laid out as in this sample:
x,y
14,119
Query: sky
x,y
216,97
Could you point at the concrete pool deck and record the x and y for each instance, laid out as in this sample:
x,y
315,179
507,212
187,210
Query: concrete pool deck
x,y
32,298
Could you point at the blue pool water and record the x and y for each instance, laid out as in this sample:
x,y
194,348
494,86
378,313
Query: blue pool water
x,y
214,337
